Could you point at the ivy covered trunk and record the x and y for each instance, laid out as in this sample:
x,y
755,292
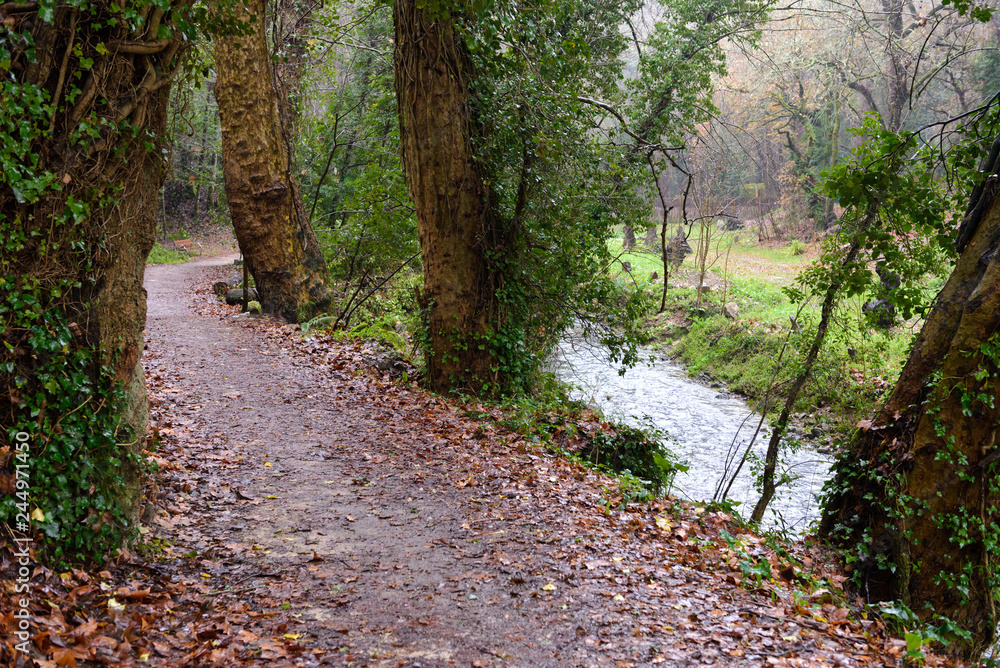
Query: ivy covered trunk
x,y
919,491
83,157
274,233
453,215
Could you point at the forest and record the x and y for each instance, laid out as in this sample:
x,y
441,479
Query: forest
x,y
795,200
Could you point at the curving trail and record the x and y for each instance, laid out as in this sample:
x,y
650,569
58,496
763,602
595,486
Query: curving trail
x,y
335,517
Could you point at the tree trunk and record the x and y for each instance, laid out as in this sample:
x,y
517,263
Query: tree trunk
x,y
919,489
628,237
276,238
79,251
453,216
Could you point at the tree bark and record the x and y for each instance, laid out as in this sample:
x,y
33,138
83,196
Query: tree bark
x,y
447,186
920,481
115,174
275,236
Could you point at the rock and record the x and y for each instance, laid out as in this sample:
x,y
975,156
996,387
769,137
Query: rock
x,y
235,296
882,312
705,288
731,310
222,287
653,277
730,224
253,306
817,432
238,262
653,238
722,395
627,267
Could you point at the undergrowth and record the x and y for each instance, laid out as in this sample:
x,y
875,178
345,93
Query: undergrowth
x,y
761,349
160,255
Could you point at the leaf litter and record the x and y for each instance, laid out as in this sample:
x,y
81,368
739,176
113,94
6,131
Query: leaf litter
x,y
310,511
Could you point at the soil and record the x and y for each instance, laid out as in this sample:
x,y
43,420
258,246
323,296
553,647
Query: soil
x,y
311,511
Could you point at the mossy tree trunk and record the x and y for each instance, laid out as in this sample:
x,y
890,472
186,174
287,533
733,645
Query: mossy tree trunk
x,y
453,216
274,233
80,174
919,489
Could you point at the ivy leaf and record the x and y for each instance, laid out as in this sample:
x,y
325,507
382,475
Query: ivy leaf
x,y
47,10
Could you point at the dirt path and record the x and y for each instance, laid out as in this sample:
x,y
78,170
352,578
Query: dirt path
x,y
338,518
397,543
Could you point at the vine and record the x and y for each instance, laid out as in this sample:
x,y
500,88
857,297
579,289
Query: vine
x,y
82,152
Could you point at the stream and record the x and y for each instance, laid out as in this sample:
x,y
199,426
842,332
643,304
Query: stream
x,y
702,422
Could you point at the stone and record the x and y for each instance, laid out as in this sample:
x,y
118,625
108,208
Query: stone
x,y
235,296
654,277
881,312
222,287
731,310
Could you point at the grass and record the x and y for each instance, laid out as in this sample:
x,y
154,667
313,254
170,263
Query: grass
x,y
160,255
857,365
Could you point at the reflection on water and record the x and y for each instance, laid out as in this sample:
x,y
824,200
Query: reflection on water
x,y
704,423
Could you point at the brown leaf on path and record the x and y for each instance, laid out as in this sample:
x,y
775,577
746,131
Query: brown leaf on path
x,y
86,629
64,656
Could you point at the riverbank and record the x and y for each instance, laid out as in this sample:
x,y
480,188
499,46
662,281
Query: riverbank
x,y
745,335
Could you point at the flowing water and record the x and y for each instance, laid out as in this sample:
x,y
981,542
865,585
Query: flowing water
x,y
707,424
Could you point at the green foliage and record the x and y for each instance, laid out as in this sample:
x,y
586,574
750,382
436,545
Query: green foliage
x,y
639,452
918,635
160,255
353,182
383,329
887,490
894,212
194,192
744,353
562,146
796,247
979,12
73,431
639,457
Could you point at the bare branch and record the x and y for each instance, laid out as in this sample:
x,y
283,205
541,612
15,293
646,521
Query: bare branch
x,y
645,143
